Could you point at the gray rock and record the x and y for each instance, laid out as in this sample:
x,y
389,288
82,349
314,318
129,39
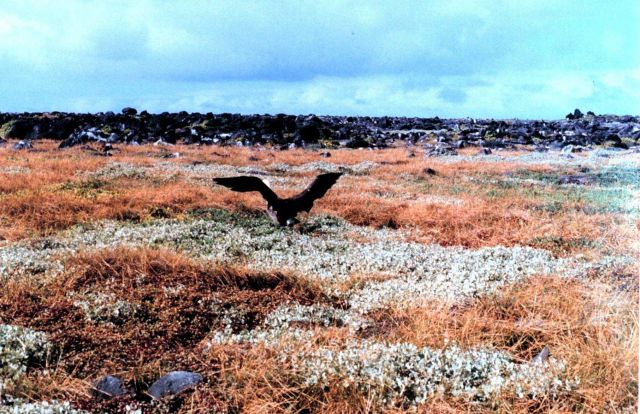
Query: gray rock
x,y
354,132
174,383
81,137
542,356
578,179
161,142
22,145
109,387
129,111
439,150
209,141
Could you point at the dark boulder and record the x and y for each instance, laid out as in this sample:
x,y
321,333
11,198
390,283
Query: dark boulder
x,y
81,137
109,387
60,129
22,145
542,356
358,142
577,179
18,129
330,131
174,383
439,150
577,114
309,133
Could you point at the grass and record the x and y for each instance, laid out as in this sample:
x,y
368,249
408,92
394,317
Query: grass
x,y
592,328
489,210
177,302
138,311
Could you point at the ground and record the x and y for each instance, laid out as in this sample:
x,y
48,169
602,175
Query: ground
x,y
416,283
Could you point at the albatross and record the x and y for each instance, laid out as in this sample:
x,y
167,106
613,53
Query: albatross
x,y
282,211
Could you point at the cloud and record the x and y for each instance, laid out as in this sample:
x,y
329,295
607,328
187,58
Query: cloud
x,y
537,96
436,57
455,96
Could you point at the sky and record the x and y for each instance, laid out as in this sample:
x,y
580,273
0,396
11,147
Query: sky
x,y
535,59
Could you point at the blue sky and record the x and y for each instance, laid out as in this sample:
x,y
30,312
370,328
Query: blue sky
x,y
498,59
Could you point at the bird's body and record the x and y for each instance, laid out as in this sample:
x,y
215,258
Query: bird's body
x,y
282,211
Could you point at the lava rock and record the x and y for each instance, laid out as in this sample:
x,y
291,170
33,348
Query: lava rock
x,y
578,179
542,356
309,133
161,142
18,129
109,387
358,142
577,114
354,132
22,145
174,383
60,128
439,150
80,137
325,154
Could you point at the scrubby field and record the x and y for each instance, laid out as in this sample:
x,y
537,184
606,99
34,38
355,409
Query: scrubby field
x,y
417,283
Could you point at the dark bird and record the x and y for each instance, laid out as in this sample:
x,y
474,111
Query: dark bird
x,y
282,211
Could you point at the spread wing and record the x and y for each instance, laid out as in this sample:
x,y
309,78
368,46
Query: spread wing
x,y
247,183
318,188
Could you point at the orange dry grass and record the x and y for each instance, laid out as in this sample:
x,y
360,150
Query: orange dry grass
x,y
475,223
162,334
596,338
41,213
44,173
594,329
45,211
34,204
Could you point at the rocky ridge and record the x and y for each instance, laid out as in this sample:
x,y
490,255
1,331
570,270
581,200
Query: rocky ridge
x,y
441,136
